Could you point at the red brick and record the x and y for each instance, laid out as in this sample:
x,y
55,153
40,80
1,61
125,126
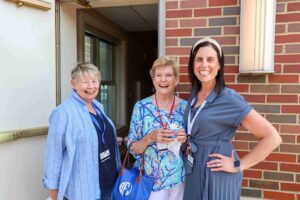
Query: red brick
x,y
185,96
293,17
179,13
184,87
207,12
280,28
231,69
184,78
172,23
290,187
171,5
240,145
239,87
255,98
226,40
183,69
242,153
222,2
179,32
290,128
287,58
277,68
291,68
291,38
192,3
177,51
171,42
293,7
298,139
184,60
278,49
282,98
253,174
280,157
288,138
290,109
290,167
235,30
229,78
193,22
246,136
266,166
245,182
278,195
283,78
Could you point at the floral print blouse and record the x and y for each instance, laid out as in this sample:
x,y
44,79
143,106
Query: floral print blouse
x,y
164,166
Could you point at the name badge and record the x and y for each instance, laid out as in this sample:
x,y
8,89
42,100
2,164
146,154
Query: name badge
x,y
105,155
190,160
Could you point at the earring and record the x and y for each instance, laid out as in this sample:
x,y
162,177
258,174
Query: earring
x,y
153,90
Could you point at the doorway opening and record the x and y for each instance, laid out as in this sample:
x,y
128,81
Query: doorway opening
x,y
123,42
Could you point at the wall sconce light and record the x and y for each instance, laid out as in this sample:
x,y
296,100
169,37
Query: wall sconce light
x,y
257,36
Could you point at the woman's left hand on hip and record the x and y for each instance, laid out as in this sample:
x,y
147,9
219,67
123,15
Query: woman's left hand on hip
x,y
222,163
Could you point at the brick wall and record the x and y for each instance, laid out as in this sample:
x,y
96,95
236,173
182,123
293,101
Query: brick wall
x,y
276,96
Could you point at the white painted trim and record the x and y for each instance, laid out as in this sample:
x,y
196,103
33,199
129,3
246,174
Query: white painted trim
x,y
105,3
161,28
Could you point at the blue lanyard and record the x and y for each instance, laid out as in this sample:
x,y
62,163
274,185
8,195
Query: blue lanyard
x,y
95,121
191,123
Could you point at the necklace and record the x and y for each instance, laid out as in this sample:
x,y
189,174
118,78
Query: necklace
x,y
161,122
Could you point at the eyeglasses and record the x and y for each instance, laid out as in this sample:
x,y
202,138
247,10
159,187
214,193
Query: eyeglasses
x,y
161,76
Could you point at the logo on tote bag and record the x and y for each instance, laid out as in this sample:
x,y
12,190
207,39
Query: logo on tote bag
x,y
125,188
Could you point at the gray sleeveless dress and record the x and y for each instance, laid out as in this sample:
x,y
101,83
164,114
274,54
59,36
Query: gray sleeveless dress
x,y
212,132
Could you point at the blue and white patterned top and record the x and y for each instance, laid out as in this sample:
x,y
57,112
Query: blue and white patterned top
x,y
164,166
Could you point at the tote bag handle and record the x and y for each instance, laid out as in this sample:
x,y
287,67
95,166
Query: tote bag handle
x,y
141,170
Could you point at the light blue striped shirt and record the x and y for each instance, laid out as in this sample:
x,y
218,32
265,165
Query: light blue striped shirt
x,y
71,160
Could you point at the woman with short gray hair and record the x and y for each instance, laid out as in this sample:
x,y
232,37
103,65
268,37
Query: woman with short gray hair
x,y
82,156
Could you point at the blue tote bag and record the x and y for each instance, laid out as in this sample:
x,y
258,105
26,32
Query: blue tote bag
x,y
132,184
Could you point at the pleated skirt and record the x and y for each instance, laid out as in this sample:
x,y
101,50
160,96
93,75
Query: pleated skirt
x,y
203,184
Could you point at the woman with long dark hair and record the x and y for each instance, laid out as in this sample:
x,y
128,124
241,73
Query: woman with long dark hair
x,y
214,112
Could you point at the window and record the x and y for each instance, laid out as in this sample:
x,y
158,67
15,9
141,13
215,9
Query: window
x,y
101,53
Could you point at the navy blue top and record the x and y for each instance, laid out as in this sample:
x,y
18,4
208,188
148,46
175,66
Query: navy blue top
x,y
220,117
212,132
107,167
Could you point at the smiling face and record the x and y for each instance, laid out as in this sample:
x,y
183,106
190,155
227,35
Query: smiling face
x,y
164,80
87,86
206,65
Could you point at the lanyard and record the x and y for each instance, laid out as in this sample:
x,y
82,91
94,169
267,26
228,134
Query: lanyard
x,y
95,121
161,122
191,123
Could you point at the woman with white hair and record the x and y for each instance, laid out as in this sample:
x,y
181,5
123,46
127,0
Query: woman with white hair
x,y
82,156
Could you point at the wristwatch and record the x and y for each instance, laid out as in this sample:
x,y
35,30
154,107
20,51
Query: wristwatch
x,y
237,165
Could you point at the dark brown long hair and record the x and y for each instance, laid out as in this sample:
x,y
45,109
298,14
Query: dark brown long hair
x,y
220,82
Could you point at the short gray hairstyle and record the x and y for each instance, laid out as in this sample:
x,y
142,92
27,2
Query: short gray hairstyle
x,y
84,68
